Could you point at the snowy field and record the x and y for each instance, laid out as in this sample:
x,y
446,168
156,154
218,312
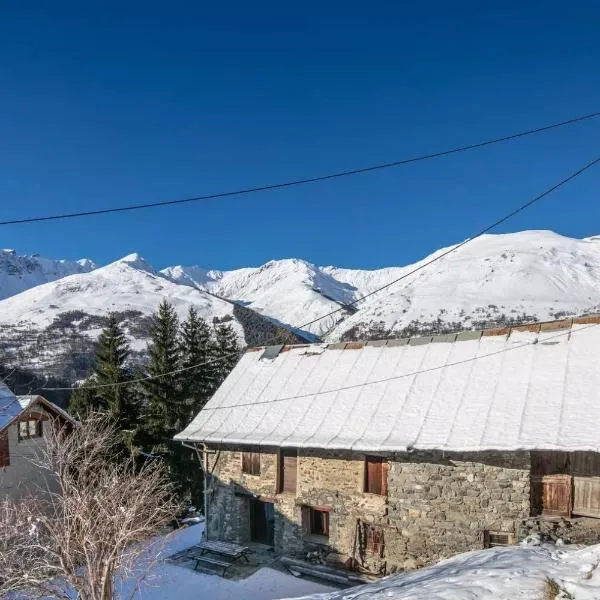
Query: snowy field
x,y
174,581
526,572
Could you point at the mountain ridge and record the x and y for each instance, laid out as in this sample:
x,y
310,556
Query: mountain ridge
x,y
492,280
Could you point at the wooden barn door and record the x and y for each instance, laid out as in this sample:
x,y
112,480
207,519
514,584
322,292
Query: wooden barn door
x,y
586,496
556,495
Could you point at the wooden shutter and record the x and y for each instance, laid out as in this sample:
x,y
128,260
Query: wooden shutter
x,y
376,475
305,520
556,495
288,462
251,463
586,496
4,449
374,540
256,463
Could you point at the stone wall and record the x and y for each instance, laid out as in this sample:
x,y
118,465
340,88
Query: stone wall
x,y
580,530
440,504
437,505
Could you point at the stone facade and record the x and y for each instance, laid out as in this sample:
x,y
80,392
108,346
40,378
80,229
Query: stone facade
x,y
437,504
580,530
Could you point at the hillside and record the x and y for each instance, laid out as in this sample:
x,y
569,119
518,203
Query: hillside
x,y
496,279
53,325
493,280
20,273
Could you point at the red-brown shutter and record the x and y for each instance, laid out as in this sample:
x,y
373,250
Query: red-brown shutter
x,y
556,495
4,449
374,475
289,469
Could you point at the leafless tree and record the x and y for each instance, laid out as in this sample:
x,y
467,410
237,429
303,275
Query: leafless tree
x,y
91,526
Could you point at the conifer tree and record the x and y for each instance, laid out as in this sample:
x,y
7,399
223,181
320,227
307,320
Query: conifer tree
x,y
196,347
162,393
227,350
104,391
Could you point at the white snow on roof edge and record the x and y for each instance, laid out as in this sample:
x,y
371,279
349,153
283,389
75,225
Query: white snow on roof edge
x,y
525,391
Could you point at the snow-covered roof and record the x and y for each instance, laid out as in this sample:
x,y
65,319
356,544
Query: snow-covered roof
x,y
12,406
529,387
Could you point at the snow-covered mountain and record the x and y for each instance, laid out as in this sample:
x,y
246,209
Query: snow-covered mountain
x,y
495,279
19,273
56,322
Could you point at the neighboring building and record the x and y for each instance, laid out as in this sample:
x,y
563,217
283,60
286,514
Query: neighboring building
x,y
396,453
24,425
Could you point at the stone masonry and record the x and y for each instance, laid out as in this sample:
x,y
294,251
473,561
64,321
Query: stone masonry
x,y
437,504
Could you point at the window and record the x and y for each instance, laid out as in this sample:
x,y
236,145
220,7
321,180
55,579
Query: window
x,y
4,449
30,429
376,475
497,538
288,470
251,463
373,537
315,521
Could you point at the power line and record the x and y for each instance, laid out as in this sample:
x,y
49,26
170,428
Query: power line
x,y
298,182
402,376
141,379
511,214
463,243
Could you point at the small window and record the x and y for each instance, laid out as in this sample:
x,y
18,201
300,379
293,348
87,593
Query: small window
x,y
497,538
374,543
251,463
30,429
315,521
376,475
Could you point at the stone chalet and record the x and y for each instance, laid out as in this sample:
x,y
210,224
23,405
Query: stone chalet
x,y
392,454
24,425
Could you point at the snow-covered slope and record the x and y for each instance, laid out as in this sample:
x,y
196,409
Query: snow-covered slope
x,y
20,273
129,284
290,291
52,326
527,572
494,279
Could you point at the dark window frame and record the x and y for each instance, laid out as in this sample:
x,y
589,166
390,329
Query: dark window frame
x,y
27,434
317,521
251,463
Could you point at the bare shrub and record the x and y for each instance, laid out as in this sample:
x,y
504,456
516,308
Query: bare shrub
x,y
91,531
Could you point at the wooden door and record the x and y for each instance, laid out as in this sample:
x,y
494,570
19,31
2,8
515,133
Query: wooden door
x,y
262,522
586,496
557,495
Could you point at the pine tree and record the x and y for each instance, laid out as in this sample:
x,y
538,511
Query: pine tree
x,y
162,393
227,350
196,347
103,390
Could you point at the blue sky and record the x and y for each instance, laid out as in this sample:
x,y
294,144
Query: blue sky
x,y
110,103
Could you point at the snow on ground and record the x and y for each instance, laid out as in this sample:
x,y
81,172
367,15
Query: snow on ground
x,y
173,581
513,573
